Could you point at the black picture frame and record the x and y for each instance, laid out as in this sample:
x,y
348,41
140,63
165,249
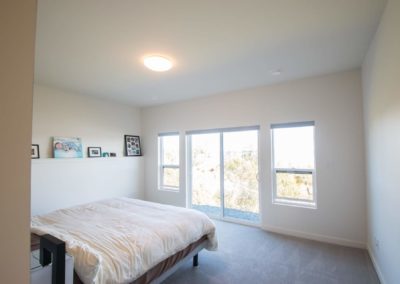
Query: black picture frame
x,y
132,146
94,152
35,154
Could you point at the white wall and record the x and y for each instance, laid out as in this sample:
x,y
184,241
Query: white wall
x,y
333,101
17,30
381,83
98,122
58,183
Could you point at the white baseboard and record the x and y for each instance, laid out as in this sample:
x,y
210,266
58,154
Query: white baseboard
x,y
316,237
376,265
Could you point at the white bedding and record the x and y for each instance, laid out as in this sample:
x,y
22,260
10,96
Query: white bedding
x,y
118,240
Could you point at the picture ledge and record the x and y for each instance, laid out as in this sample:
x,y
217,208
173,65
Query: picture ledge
x,y
81,160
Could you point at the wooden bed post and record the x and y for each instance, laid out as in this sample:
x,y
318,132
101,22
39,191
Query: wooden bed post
x,y
51,246
196,260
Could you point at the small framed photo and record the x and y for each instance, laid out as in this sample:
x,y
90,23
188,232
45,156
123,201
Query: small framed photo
x,y
94,152
132,146
35,151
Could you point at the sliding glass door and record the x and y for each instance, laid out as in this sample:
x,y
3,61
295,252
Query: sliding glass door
x,y
241,175
223,173
205,172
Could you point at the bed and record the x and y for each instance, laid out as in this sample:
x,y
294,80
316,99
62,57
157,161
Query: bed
x,y
124,240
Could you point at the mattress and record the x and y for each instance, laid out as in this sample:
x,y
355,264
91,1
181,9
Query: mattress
x,y
119,240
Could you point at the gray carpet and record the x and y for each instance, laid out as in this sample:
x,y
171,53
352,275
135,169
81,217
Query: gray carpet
x,y
250,255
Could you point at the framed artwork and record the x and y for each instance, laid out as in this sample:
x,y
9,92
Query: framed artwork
x,y
67,147
132,146
35,151
94,152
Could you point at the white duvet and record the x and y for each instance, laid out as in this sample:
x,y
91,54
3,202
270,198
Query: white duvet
x,y
118,240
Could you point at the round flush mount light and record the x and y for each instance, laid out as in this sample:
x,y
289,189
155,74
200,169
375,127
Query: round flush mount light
x,y
157,63
276,72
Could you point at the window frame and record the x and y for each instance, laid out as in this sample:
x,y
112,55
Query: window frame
x,y
162,166
189,180
307,203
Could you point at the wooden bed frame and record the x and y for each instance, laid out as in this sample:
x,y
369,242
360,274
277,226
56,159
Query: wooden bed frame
x,y
159,272
178,264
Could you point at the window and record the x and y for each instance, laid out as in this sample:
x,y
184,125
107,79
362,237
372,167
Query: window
x,y
293,163
168,153
223,173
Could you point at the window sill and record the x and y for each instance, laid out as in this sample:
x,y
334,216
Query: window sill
x,y
169,189
295,203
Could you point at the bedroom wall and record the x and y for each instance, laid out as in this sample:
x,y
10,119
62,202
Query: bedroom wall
x,y
58,183
17,30
98,122
333,101
381,79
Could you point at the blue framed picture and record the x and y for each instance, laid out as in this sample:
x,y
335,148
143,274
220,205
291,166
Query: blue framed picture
x,y
67,147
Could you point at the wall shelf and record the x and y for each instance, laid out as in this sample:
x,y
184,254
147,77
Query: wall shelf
x,y
83,160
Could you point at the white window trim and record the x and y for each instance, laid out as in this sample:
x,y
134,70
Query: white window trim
x,y
305,203
162,166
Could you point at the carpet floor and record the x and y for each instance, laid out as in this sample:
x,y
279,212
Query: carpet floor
x,y
249,255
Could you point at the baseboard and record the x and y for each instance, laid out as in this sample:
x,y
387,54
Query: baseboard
x,y
316,237
376,265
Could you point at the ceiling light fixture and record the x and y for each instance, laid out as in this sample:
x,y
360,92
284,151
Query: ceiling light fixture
x,y
157,63
276,72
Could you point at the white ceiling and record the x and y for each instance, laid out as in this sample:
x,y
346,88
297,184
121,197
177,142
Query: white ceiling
x,y
94,47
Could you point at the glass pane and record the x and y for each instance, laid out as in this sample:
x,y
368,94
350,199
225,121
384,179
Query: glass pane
x,y
296,186
241,175
206,173
294,147
170,149
171,177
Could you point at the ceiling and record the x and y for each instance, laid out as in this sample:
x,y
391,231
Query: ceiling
x,y
95,47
